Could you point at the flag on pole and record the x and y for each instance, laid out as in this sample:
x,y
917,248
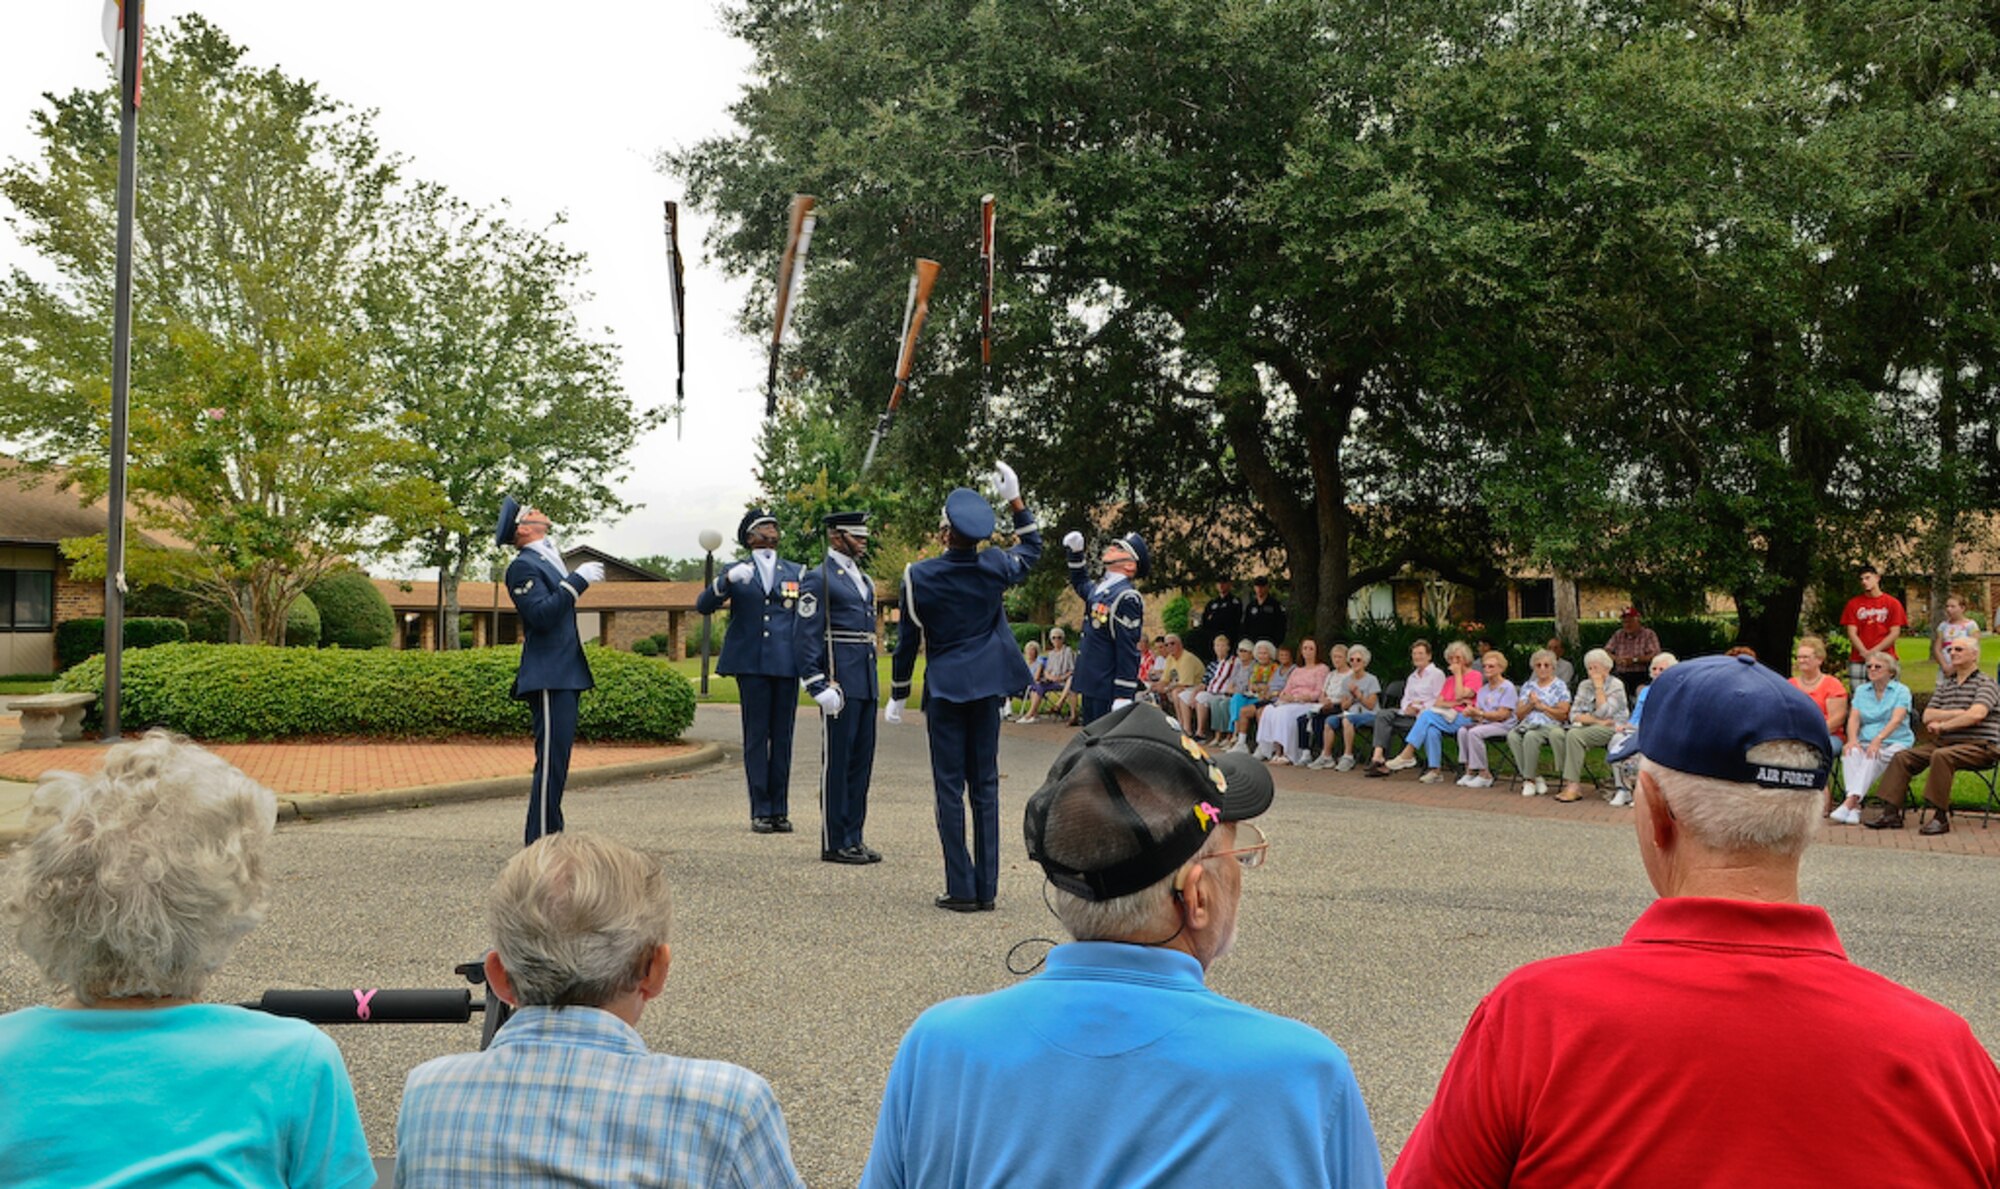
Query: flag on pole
x,y
113,23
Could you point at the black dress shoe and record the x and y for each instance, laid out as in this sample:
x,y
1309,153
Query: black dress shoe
x,y
874,856
854,856
961,904
1938,824
781,824
1891,819
762,825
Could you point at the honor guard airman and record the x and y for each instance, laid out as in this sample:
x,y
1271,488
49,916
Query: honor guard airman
x,y
762,595
836,647
952,610
553,672
1114,618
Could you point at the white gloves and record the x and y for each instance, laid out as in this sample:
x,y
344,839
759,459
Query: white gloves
x,y
591,571
1006,482
1120,703
892,710
831,701
740,573
1073,541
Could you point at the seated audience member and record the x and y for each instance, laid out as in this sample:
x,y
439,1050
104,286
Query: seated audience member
x,y
1632,648
1828,692
1963,719
1458,695
1565,672
1490,716
1360,698
1541,711
140,882
1331,691
1256,683
1246,719
569,1093
1119,1065
1956,625
1420,691
1878,726
1184,681
1152,670
1223,713
1050,691
1278,723
1627,771
1596,710
1216,686
1660,1063
1031,652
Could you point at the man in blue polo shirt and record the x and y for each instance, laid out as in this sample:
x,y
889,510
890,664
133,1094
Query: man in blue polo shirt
x,y
1118,1065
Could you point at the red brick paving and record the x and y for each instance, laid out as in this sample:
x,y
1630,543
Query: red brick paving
x,y
359,767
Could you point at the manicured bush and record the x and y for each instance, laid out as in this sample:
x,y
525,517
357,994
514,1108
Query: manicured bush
x,y
1025,632
79,639
1175,614
352,612
302,623
646,646
237,691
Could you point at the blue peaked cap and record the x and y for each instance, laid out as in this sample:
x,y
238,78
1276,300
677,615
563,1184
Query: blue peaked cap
x,y
1704,715
968,514
510,516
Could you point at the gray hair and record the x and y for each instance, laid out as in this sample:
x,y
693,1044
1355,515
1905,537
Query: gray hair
x,y
1728,816
1360,650
1056,633
1264,648
1888,658
576,919
1662,661
1596,656
1458,648
1542,654
1144,915
142,877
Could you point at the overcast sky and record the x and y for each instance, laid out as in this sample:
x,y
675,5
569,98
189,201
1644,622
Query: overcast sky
x,y
550,107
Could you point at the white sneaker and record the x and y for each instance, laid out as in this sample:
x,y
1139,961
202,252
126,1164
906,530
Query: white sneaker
x,y
1028,720
1541,787
1479,782
1528,789
1430,776
1622,800
1239,747
1280,758
1465,781
1266,750
1399,764
1344,764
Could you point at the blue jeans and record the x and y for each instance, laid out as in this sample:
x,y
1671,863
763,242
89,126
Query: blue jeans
x,y
1428,733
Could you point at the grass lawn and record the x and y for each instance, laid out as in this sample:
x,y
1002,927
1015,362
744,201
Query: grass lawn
x,y
25,683
723,689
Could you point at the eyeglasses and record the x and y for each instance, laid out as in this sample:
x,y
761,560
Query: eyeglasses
x,y
1248,856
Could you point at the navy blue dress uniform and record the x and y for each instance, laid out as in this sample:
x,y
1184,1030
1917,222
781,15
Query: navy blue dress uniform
x,y
836,646
553,672
952,610
1114,619
759,651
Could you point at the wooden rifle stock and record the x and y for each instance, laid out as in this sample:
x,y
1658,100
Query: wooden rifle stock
x,y
915,310
791,278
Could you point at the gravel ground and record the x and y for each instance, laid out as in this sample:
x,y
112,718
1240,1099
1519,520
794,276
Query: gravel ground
x,y
1377,923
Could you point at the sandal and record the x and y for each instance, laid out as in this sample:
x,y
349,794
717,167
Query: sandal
x,y
1570,795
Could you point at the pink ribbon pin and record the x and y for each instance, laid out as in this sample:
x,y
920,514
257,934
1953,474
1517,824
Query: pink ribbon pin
x,y
361,999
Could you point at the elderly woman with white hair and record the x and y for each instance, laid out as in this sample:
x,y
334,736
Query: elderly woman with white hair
x,y
1628,771
138,883
1878,726
1595,713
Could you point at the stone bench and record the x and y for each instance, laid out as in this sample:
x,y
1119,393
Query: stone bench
x,y
50,720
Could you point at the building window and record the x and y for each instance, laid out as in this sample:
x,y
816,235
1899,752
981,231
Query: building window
x,y
27,600
1538,598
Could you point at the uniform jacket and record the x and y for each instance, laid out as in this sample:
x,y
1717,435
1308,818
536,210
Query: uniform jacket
x,y
551,650
832,610
952,609
1223,616
1107,664
759,642
1265,620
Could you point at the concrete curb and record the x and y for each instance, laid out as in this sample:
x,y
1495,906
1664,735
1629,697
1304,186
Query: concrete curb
x,y
308,807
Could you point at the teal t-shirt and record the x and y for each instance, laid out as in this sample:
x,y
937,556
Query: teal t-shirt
x,y
196,1095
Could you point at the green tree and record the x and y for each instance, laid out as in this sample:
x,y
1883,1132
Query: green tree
x,y
254,438
487,372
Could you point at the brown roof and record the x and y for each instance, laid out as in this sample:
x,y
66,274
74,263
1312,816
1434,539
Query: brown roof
x,y
35,509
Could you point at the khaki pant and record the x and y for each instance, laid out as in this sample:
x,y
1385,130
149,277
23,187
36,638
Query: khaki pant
x,y
1944,762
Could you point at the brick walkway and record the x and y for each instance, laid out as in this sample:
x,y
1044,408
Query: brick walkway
x,y
360,767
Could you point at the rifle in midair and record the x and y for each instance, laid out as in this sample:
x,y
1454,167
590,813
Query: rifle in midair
x,y
791,281
986,316
677,289
915,310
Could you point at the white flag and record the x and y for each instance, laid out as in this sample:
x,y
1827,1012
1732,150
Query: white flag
x,y
114,21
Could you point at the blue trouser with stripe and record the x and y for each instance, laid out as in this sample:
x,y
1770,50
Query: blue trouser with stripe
x,y
553,712
965,765
845,767
770,712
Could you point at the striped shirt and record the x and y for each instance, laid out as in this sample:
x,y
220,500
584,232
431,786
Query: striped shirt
x,y
572,1096
1954,695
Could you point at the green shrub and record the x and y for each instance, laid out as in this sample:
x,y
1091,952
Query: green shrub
x,y
664,642
79,639
1174,615
352,612
1025,632
646,646
302,623
238,691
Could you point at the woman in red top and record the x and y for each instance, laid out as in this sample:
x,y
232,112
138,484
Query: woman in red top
x,y
1828,692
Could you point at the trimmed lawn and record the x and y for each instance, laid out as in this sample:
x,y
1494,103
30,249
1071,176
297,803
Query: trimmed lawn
x,y
722,690
1920,672
25,684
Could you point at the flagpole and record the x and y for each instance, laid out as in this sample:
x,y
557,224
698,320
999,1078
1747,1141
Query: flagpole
x,y
121,360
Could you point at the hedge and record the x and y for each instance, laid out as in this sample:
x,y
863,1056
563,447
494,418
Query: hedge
x,y
242,691
646,646
352,612
77,640
302,623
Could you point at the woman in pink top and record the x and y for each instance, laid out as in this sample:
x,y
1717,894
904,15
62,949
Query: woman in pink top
x,y
1828,692
1461,691
1278,724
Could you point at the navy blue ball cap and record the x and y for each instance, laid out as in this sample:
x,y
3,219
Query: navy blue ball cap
x,y
510,517
1703,716
968,514
854,524
751,520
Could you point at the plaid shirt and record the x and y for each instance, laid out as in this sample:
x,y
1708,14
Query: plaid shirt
x,y
572,1096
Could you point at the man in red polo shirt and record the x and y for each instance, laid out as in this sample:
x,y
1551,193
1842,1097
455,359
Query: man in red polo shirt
x,y
1692,1054
1873,621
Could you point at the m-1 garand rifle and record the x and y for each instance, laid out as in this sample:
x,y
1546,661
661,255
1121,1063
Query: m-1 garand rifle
x,y
915,310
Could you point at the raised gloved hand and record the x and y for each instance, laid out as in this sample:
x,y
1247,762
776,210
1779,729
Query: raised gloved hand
x,y
1120,703
1006,482
740,573
831,701
591,571
1073,541
892,710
